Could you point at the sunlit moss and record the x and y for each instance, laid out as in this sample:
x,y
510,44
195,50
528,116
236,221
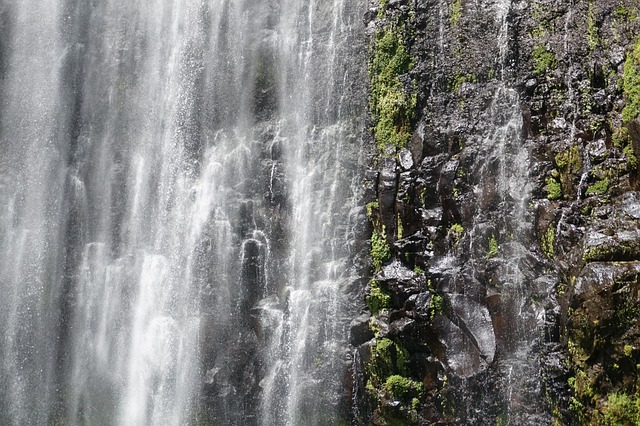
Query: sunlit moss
x,y
547,242
390,102
455,12
543,60
493,247
598,188
403,387
378,298
380,250
632,84
553,188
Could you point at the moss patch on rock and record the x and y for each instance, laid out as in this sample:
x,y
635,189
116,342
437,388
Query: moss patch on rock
x,y
632,84
391,101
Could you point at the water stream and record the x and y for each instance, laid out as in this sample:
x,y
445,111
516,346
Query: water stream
x,y
498,280
180,182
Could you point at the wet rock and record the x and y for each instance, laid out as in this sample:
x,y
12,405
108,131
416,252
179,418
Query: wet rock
x,y
406,160
631,204
370,15
616,56
468,336
599,275
598,151
634,131
360,330
398,327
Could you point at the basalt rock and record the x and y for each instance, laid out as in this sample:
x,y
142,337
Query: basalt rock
x,y
513,215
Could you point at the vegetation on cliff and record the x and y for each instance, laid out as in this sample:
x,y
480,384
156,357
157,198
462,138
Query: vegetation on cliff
x,y
391,101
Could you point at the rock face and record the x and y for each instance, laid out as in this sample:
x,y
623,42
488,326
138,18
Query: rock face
x,y
506,238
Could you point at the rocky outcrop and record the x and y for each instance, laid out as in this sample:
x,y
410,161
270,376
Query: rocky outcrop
x,y
506,239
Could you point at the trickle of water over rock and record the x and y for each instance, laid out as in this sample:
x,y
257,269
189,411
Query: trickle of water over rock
x,y
180,182
500,322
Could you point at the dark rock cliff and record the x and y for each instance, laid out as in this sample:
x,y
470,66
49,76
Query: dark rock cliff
x,y
504,209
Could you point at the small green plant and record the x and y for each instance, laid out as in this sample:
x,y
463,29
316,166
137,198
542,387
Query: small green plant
x,y
378,298
415,403
570,159
374,325
371,208
553,188
543,60
403,387
380,250
547,242
436,305
390,104
493,247
387,358
622,409
632,84
457,83
418,270
598,188
457,229
400,228
592,29
632,158
455,12
620,137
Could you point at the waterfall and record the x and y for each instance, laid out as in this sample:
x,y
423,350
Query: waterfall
x,y
180,200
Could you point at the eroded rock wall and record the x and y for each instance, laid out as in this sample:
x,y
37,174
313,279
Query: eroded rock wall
x,y
504,207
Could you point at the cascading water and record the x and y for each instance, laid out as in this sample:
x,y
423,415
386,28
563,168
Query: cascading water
x,y
500,322
180,191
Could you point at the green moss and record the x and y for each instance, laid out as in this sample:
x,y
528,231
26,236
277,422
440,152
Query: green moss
x,y
436,305
582,386
547,242
493,247
418,270
372,207
601,336
455,12
460,79
378,298
374,326
390,104
399,228
620,137
632,158
423,196
570,159
605,252
380,250
598,188
592,29
457,229
415,403
553,188
543,60
387,358
569,163
622,409
621,11
403,387
632,84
